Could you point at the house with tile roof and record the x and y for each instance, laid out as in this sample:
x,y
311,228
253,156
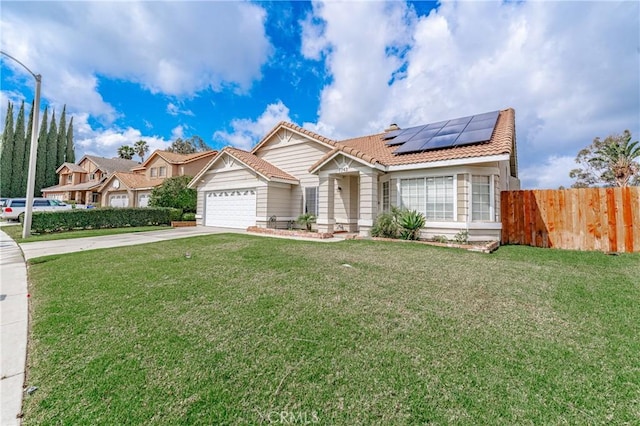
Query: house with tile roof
x,y
452,171
132,188
81,182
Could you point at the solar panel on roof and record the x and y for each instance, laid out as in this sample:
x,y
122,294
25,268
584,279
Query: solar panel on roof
x,y
474,136
392,134
446,134
481,124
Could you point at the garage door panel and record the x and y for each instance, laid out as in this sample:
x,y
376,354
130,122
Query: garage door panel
x,y
233,208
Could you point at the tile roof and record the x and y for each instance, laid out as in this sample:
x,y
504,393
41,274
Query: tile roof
x,y
112,164
136,180
71,166
373,149
297,129
84,186
261,166
176,158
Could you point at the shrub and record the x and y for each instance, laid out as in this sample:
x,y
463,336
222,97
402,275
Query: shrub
x,y
306,220
174,193
189,217
66,220
386,224
411,222
462,237
175,214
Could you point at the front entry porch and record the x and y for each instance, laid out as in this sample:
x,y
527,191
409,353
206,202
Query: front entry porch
x,y
347,200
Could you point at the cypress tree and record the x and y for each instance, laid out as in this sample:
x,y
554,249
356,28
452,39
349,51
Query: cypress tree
x,y
61,142
41,166
50,178
6,156
70,156
17,172
27,151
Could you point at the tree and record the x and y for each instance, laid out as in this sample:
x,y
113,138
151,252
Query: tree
x,y
174,193
188,146
70,153
6,158
17,172
27,152
61,142
141,148
51,178
126,152
609,162
41,164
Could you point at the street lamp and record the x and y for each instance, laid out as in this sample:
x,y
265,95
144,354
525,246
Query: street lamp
x,y
26,226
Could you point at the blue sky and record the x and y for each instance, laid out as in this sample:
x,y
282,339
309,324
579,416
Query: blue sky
x,y
229,71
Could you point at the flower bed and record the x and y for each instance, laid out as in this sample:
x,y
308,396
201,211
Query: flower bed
x,y
483,247
289,233
181,223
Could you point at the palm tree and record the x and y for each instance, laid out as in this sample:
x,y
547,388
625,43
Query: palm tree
x,y
126,152
141,148
619,158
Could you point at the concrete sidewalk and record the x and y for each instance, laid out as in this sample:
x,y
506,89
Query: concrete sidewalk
x,y
13,329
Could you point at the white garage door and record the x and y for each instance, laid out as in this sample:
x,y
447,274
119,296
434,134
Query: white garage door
x,y
143,200
234,208
118,201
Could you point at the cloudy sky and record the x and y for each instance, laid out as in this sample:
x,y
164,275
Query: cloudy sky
x,y
229,71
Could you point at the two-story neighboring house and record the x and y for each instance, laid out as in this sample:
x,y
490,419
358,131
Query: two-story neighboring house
x,y
81,182
133,188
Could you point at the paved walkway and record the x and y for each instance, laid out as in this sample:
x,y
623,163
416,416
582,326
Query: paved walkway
x,y
13,329
14,300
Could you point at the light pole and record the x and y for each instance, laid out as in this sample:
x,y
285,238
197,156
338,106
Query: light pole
x,y
33,155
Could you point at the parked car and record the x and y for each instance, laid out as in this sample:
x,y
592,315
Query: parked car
x,y
13,208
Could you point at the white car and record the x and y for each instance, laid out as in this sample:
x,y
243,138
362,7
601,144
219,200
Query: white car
x,y
13,208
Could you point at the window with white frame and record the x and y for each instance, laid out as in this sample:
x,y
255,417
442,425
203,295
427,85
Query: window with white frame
x,y
311,200
69,178
385,196
162,171
154,172
412,194
440,198
433,196
481,198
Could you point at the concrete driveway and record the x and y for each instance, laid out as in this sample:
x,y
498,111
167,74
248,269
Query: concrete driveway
x,y
44,248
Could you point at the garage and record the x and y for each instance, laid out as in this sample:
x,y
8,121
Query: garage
x,y
234,208
119,200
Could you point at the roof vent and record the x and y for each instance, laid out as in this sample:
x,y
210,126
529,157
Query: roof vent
x,y
392,127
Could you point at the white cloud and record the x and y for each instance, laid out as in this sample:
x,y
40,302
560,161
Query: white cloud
x,y
173,109
105,142
570,69
552,173
247,132
140,42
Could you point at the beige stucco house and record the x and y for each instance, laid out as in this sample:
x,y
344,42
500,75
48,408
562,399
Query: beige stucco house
x,y
81,182
133,188
451,171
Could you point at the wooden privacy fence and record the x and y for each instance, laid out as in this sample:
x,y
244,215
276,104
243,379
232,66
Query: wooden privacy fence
x,y
605,219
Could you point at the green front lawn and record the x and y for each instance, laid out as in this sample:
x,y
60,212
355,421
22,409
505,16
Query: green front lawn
x,y
15,232
253,330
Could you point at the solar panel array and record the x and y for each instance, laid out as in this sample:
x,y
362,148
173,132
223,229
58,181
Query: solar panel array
x,y
443,134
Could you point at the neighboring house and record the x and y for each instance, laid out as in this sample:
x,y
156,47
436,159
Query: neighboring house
x,y
451,171
80,182
133,188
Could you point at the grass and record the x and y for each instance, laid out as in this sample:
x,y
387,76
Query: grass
x,y
250,329
15,232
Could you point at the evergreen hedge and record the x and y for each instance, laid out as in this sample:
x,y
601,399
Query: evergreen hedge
x,y
67,220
